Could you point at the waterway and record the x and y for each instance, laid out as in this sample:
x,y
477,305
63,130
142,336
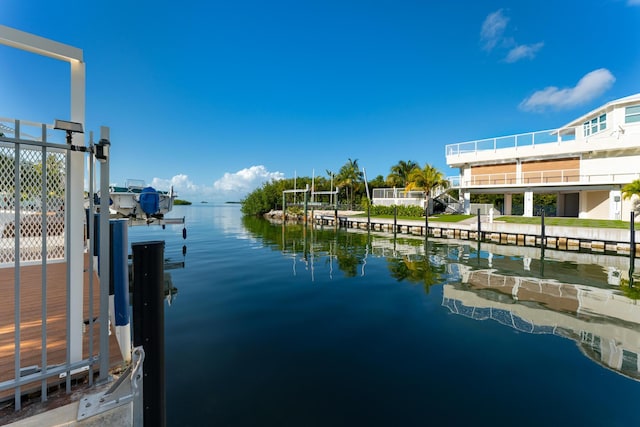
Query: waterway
x,y
293,326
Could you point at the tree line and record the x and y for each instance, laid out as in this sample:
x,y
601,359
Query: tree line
x,y
350,184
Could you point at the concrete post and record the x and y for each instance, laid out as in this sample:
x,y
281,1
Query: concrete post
x,y
508,203
528,203
466,202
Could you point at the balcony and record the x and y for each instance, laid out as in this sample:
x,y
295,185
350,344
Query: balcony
x,y
552,178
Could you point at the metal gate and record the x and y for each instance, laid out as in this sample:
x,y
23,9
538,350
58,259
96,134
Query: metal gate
x,y
36,330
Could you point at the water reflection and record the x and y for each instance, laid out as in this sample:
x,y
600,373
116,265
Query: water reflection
x,y
602,322
589,298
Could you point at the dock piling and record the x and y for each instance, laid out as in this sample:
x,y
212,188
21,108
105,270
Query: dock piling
x,y
148,326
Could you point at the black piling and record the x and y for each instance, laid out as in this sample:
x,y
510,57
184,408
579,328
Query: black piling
x,y
543,235
148,326
479,226
632,237
426,221
395,219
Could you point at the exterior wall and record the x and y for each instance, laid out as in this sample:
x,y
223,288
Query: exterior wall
x,y
596,204
603,168
494,174
546,171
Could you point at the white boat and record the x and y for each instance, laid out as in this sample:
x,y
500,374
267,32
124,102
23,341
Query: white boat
x,y
136,200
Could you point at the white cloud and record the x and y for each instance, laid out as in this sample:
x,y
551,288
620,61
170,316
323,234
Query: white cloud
x,y
492,29
492,36
245,180
633,2
523,51
180,183
588,88
232,186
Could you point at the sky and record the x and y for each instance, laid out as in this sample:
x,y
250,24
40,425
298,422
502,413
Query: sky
x,y
217,97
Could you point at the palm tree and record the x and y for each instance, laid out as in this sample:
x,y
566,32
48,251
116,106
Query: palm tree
x,y
426,179
399,176
349,176
630,190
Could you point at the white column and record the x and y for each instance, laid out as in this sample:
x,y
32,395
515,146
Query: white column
x,y
508,202
76,212
466,202
528,203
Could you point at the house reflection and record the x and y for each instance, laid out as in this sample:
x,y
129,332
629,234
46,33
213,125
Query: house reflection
x,y
604,323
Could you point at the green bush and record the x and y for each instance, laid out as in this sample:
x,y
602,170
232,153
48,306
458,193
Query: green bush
x,y
404,211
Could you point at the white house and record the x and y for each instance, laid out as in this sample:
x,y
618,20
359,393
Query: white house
x,y
585,163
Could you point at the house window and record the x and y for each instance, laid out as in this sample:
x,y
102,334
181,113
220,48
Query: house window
x,y
632,114
595,125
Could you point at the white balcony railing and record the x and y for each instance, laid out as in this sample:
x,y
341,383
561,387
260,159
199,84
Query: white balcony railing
x,y
552,177
511,141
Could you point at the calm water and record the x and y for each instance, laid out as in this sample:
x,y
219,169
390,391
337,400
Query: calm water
x,y
280,326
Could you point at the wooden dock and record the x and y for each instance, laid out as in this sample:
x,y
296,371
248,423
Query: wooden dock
x,y
56,325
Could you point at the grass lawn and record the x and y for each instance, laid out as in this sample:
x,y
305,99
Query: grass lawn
x,y
567,222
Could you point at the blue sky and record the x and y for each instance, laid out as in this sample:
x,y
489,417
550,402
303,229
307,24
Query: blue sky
x,y
216,97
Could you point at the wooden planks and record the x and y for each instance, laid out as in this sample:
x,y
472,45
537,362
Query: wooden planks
x,y
31,325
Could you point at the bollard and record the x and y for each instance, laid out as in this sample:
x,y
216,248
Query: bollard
x,y
632,236
119,284
148,326
426,222
395,219
543,237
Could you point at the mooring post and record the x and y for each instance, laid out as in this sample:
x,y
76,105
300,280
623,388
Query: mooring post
x,y
306,202
543,237
148,326
335,210
369,216
395,219
426,220
632,237
479,227
284,207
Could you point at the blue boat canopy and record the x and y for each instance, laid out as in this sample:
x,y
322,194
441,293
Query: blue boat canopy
x,y
149,201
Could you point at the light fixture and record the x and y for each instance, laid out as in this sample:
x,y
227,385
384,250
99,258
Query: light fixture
x,y
69,127
102,150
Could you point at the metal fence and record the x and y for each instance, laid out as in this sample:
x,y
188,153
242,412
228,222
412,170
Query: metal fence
x,y
36,330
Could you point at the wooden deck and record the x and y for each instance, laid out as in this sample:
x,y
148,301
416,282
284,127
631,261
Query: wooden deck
x,y
31,324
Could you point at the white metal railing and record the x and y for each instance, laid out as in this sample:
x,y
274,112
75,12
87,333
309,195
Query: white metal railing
x,y
512,141
397,197
35,220
396,193
30,131
565,176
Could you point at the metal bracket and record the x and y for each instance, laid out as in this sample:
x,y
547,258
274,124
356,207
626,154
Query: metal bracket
x,y
127,388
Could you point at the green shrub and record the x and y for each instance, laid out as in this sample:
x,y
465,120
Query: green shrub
x,y
404,211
